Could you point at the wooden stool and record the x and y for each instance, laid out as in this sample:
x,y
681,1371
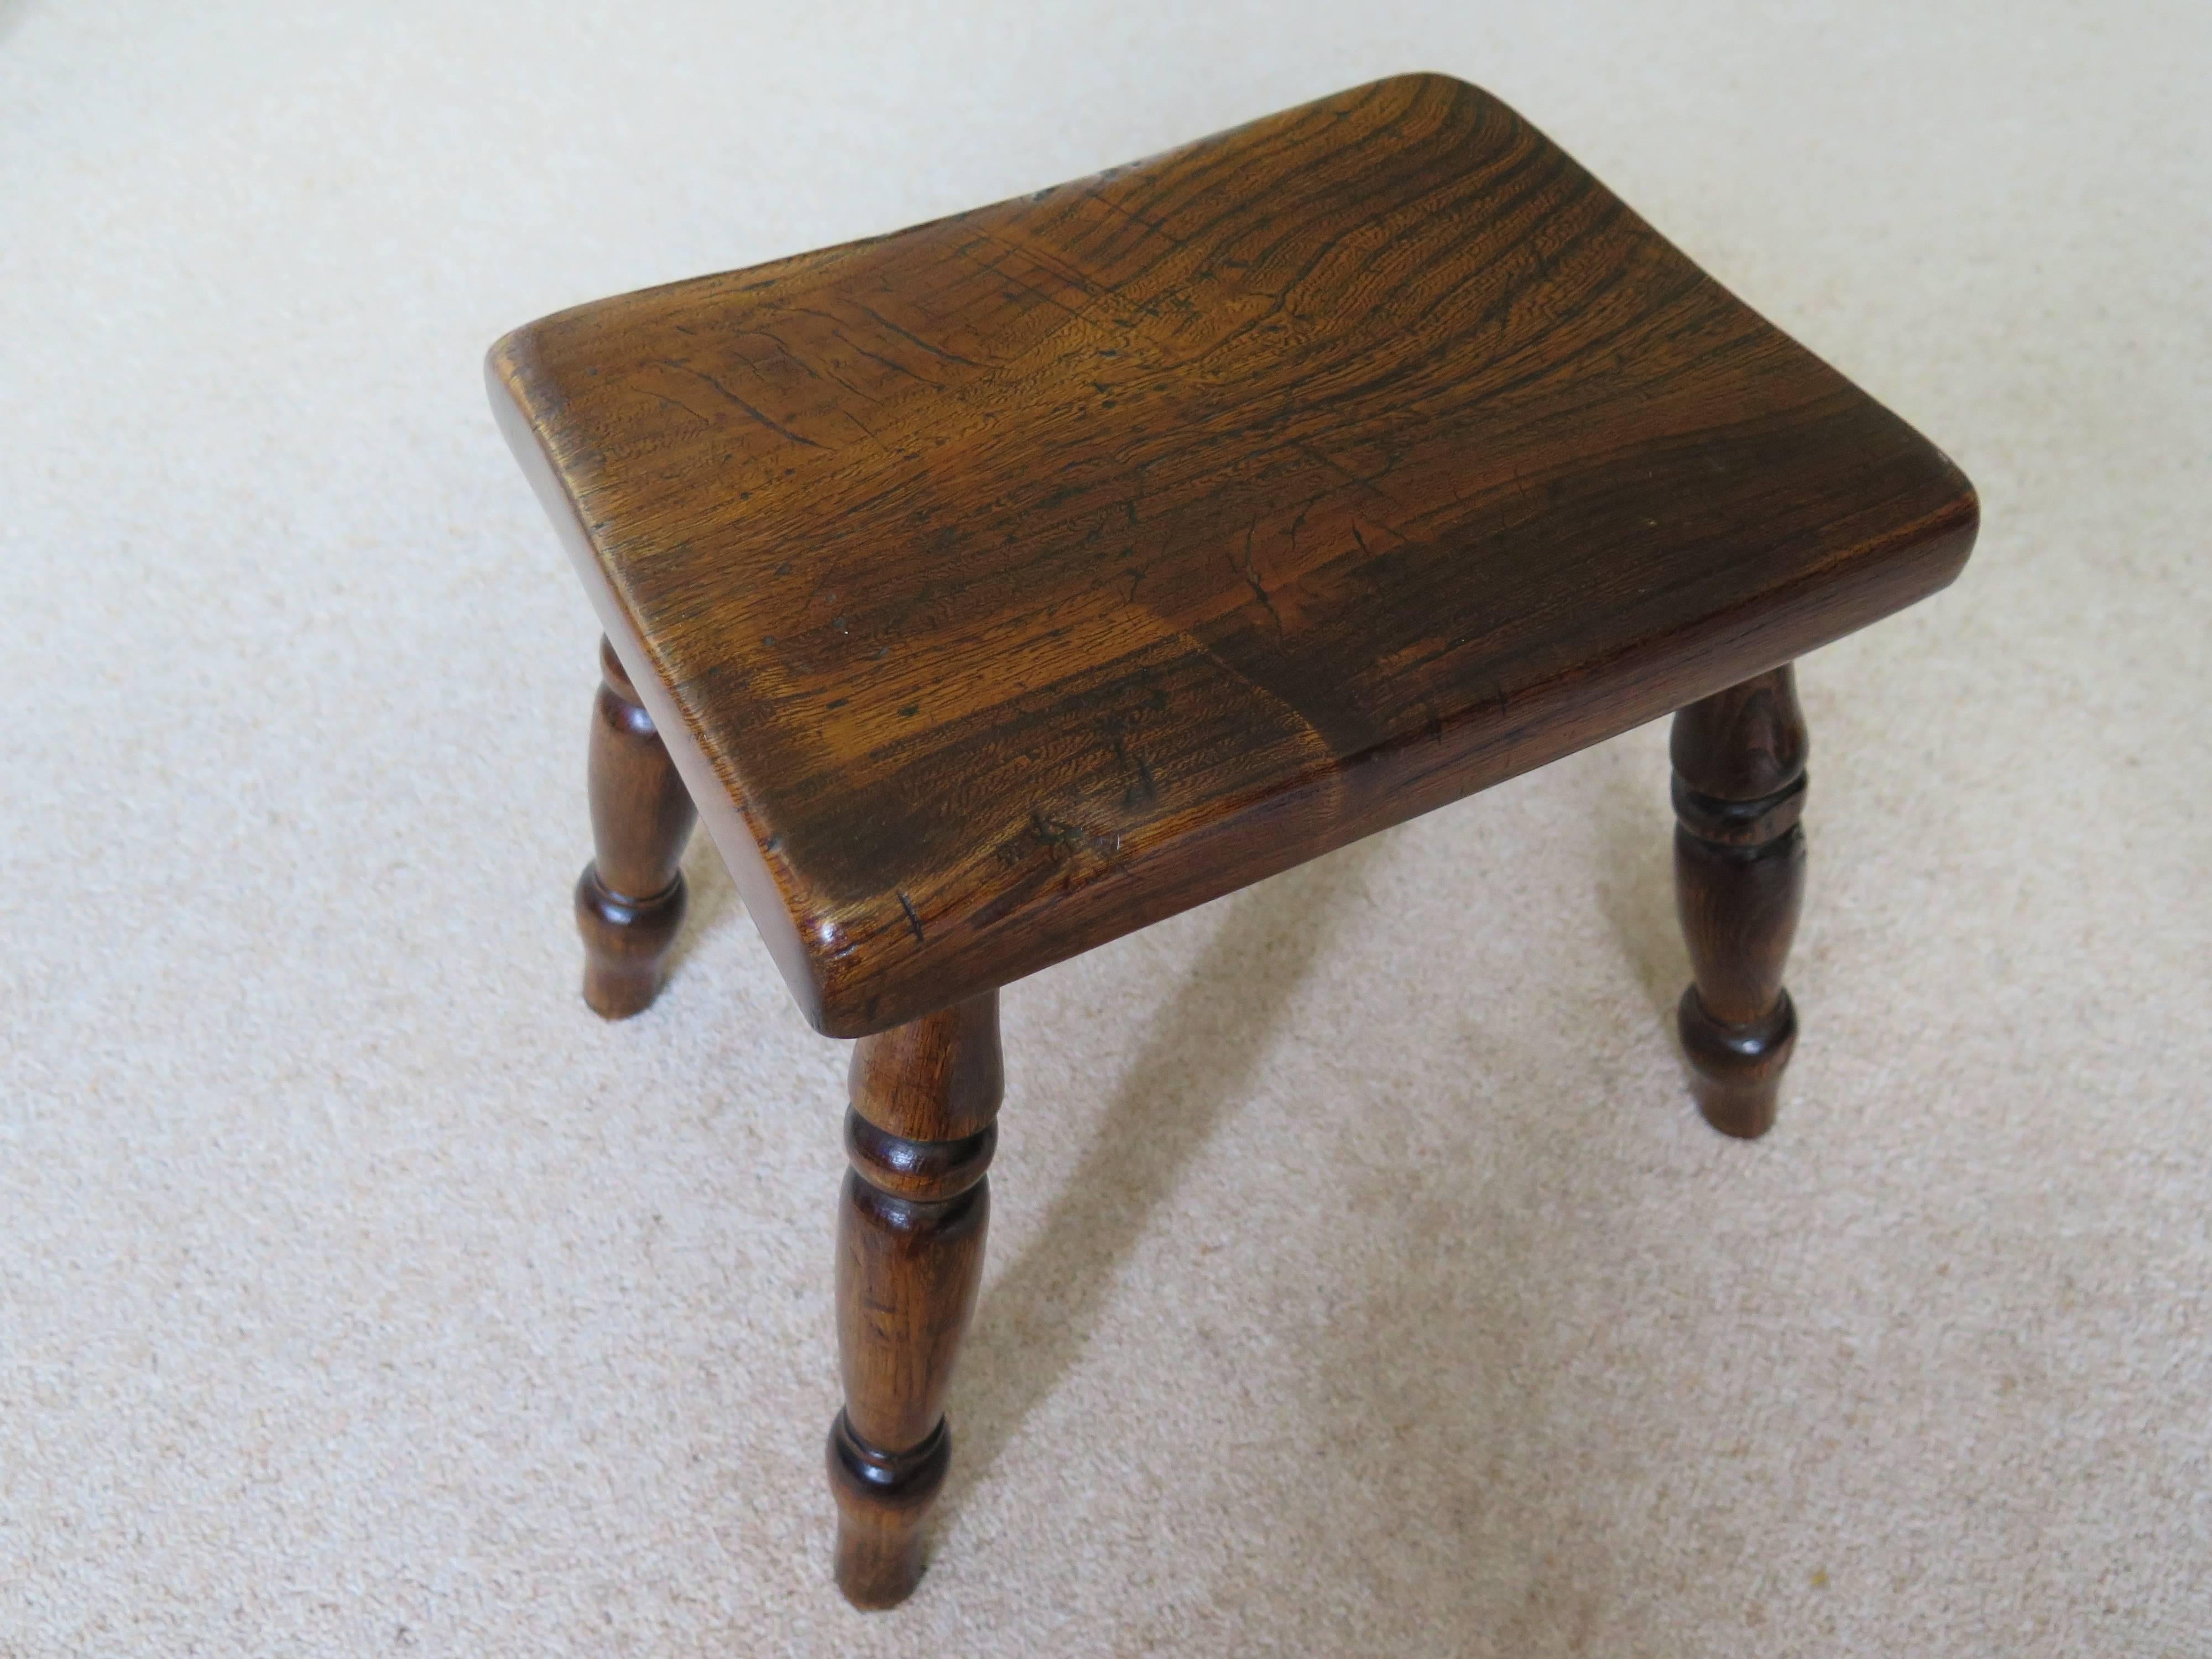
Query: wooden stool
x,y
1001,586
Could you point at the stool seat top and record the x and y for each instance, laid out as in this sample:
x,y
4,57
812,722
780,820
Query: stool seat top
x,y
1010,582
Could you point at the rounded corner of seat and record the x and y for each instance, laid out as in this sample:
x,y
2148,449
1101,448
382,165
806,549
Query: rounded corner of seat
x,y
1457,88
510,363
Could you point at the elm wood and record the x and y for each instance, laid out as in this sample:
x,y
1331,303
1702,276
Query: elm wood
x,y
629,900
1014,580
1739,881
909,1256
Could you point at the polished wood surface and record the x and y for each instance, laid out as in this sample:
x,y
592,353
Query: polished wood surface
x,y
629,900
910,1230
1739,761
1013,581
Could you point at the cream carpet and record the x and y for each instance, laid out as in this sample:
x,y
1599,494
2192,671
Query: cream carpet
x,y
1362,1281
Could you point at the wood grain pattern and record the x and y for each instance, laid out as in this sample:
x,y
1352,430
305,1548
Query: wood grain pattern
x,y
1740,786
910,1231
630,898
1013,581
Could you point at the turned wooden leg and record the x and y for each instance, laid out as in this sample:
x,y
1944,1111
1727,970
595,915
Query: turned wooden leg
x,y
629,900
1739,879
910,1255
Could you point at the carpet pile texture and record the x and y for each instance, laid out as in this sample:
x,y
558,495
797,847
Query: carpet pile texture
x,y
1362,1281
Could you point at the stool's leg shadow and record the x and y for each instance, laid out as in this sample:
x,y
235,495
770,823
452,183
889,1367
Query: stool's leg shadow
x,y
909,1257
1209,1041
629,900
1739,761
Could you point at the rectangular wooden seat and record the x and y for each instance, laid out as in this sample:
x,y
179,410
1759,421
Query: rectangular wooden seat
x,y
1010,582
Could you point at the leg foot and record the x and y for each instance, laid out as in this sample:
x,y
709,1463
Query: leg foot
x,y
1738,882
881,1500
1736,1071
625,941
909,1256
629,901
